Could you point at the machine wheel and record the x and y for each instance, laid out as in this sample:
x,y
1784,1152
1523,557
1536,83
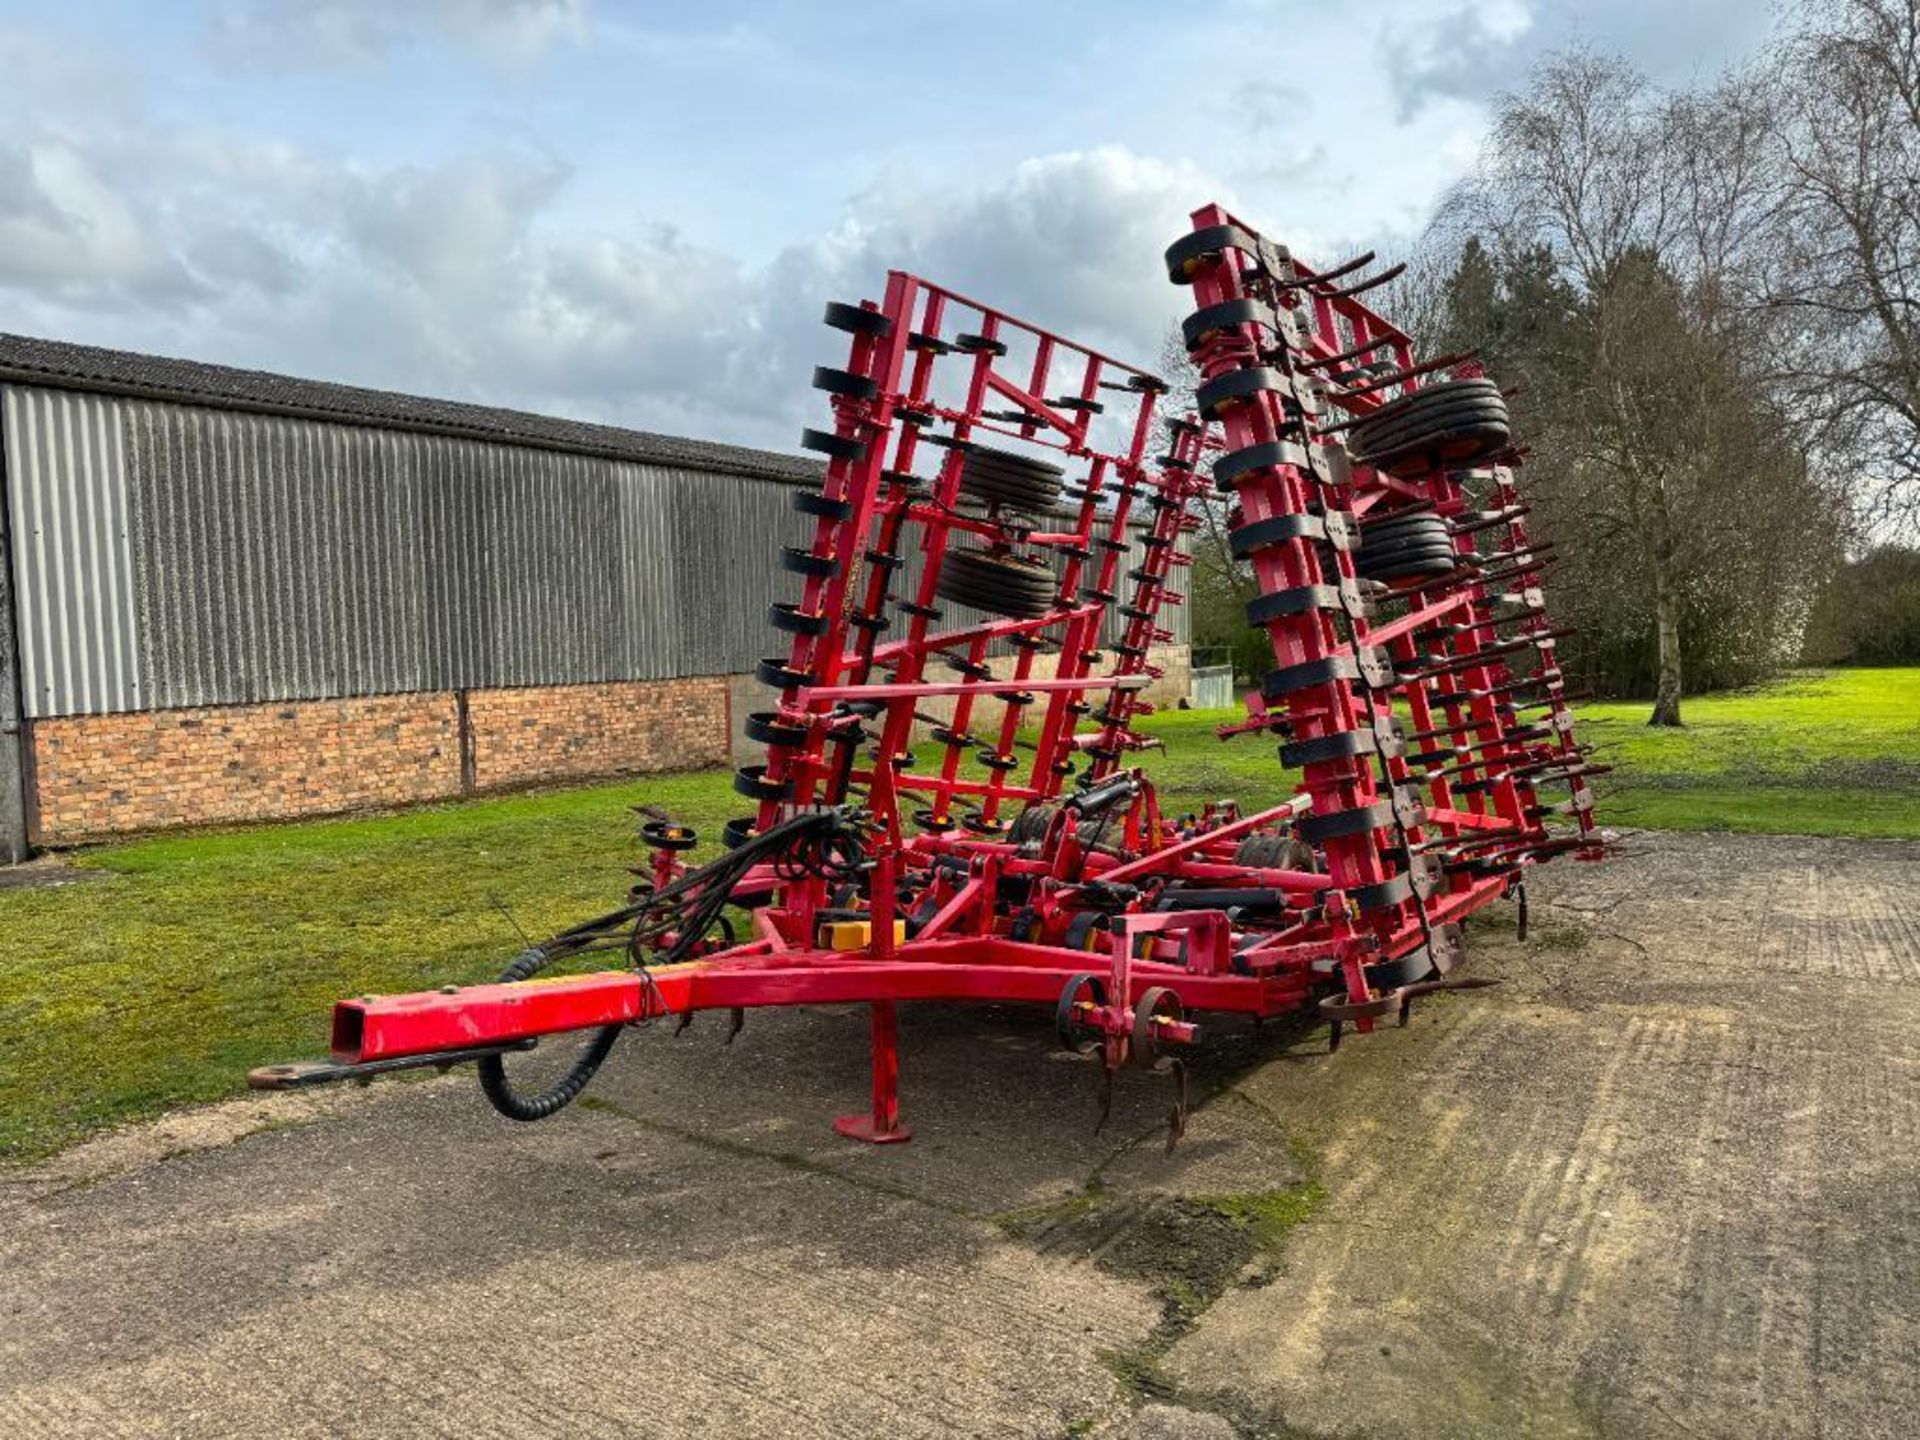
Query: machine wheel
x,y
1260,852
1426,567
1031,825
1399,546
997,584
1000,477
1157,1003
1449,425
1396,525
1079,989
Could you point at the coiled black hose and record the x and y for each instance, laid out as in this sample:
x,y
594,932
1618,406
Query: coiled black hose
x,y
825,843
538,1105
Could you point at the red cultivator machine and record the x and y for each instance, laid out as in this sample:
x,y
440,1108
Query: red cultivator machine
x,y
949,807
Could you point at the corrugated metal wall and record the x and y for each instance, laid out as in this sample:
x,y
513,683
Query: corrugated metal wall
x,y
72,565
170,555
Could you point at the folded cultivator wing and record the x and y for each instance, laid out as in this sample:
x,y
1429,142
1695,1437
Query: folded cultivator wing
x,y
950,808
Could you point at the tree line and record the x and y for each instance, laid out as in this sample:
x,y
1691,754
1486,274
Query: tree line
x,y
1705,304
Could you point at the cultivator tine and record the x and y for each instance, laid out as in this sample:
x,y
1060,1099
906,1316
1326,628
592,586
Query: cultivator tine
x,y
1345,267
1507,516
1177,1119
1411,372
1531,569
736,1022
1103,1095
1364,348
1360,287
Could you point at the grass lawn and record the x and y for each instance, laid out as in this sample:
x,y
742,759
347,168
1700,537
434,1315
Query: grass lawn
x,y
202,955
1833,752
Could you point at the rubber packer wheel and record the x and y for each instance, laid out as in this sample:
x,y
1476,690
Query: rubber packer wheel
x,y
1432,568
1457,422
1030,826
1397,524
1425,528
1000,477
997,584
1457,435
1425,410
1428,398
1260,852
1391,549
1388,546
1276,852
1369,567
1454,448
1450,416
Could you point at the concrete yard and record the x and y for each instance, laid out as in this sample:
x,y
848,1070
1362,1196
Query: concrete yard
x,y
1664,1180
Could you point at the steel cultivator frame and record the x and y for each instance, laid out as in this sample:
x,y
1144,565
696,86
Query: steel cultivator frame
x,y
950,808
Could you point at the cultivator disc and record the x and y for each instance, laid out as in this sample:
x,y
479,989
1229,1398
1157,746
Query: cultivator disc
x,y
951,804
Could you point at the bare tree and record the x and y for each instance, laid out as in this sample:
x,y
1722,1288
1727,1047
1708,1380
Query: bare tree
x,y
1654,212
1848,267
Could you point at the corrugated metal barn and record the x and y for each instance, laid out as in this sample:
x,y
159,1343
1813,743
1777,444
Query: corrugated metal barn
x,y
216,575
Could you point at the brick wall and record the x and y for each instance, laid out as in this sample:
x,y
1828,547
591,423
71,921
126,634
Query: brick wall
x,y
566,731
95,775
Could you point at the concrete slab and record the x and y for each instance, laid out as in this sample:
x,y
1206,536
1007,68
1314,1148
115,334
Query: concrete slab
x,y
1661,1181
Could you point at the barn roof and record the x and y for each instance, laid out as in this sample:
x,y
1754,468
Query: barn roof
x,y
57,364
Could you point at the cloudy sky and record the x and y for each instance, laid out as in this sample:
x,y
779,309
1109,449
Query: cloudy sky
x,y
632,212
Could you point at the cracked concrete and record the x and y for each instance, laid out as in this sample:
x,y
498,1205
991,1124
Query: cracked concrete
x,y
1661,1181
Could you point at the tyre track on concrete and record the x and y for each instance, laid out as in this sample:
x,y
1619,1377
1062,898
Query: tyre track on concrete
x,y
1662,1182
684,1290
1677,1197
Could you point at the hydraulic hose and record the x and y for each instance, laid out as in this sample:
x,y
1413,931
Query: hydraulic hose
x,y
538,1105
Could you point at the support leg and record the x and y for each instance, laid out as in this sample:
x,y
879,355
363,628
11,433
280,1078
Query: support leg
x,y
883,1126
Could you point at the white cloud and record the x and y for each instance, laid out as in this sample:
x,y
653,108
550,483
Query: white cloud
x,y
459,279
295,34
1461,49
484,267
66,229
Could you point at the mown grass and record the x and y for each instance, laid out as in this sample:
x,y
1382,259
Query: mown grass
x,y
202,955
1834,752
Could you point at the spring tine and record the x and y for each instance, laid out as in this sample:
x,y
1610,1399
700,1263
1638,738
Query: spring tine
x,y
1497,577
1411,372
1177,1121
1354,354
1323,431
1553,702
1361,287
1498,517
1345,267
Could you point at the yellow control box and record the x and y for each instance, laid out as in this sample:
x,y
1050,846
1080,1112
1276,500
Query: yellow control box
x,y
856,934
